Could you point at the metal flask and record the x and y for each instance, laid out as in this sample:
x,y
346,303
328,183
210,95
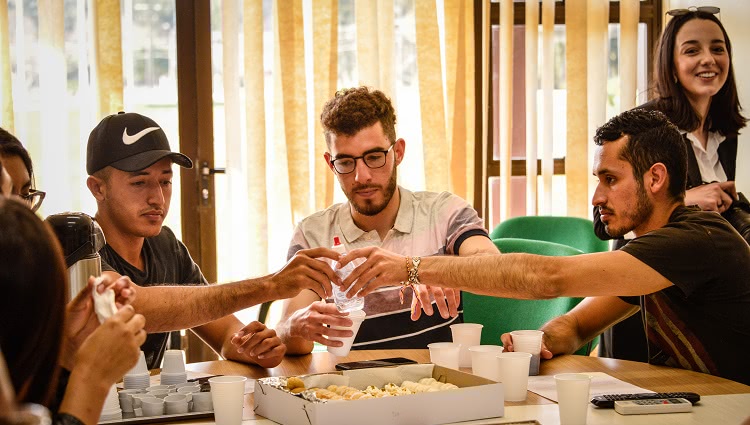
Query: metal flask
x,y
81,239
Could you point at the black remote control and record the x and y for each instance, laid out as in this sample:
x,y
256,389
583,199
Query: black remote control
x,y
607,401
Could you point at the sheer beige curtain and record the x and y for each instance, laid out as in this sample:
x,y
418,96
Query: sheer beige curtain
x,y
6,88
586,60
281,146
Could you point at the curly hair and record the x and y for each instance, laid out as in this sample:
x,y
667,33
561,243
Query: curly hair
x,y
353,109
652,138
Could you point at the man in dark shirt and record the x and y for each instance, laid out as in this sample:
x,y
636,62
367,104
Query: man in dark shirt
x,y
688,269
129,163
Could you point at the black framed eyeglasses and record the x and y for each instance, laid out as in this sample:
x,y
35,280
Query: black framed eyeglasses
x,y
34,198
373,159
706,9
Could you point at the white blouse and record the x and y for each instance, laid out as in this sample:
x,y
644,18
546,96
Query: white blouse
x,y
708,159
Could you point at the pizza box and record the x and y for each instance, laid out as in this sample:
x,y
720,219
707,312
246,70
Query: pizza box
x,y
476,398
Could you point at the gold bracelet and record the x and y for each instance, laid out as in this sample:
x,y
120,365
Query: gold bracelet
x,y
412,270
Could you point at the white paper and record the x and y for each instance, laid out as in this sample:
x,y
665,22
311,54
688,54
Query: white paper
x,y
601,383
104,303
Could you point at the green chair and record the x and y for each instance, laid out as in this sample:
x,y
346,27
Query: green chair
x,y
501,315
572,231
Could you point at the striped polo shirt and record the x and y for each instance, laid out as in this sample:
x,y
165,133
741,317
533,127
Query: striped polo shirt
x,y
427,224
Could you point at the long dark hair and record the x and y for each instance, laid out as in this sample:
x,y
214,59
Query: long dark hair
x,y
723,114
32,309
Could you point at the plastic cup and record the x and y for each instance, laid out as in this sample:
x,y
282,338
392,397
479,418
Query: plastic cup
x,y
344,304
140,367
529,342
484,361
513,368
227,394
468,335
357,316
202,402
152,407
445,354
173,362
573,397
176,403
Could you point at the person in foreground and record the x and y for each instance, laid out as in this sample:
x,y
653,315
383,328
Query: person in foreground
x,y
130,174
689,267
33,327
364,154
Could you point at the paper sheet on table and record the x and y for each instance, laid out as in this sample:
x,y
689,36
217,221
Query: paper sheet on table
x,y
601,383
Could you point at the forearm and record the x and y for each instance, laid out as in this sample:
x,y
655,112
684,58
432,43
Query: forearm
x,y
85,395
169,308
505,275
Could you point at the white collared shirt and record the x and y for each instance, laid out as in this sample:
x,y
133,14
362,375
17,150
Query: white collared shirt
x,y
708,159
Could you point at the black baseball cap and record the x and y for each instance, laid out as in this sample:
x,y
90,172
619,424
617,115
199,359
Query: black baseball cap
x,y
129,142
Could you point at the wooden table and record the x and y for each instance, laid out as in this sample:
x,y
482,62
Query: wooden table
x,y
655,378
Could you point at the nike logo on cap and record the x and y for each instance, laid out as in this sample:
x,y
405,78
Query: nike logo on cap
x,y
129,140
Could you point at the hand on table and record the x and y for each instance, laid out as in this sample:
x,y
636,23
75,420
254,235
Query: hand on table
x,y
306,271
712,196
507,341
259,344
309,323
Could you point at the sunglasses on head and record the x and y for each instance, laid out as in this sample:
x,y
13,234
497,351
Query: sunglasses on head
x,y
706,9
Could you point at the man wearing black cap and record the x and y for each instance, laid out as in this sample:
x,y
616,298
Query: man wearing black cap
x,y
129,163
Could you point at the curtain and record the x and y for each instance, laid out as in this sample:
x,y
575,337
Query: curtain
x,y
6,88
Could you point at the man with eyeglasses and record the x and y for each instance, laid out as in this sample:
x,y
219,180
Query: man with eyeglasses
x,y
18,164
364,154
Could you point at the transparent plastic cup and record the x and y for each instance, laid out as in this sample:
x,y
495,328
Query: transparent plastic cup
x,y
344,304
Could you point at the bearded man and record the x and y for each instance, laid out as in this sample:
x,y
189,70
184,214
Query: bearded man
x,y
364,154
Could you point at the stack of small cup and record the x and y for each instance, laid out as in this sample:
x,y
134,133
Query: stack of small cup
x,y
111,410
138,377
173,368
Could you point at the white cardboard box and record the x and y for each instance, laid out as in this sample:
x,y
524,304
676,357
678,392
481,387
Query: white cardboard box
x,y
477,398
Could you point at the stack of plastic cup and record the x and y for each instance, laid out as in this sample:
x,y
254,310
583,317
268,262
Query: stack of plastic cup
x,y
126,399
173,368
111,410
529,342
468,335
138,377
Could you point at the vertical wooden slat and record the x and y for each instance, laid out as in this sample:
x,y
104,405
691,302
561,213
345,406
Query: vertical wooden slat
x,y
532,50
628,57
548,105
386,35
195,106
505,101
430,71
597,65
325,65
576,157
255,112
108,42
6,86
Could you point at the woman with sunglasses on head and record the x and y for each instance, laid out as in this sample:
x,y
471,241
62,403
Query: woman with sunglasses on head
x,y
694,87
18,164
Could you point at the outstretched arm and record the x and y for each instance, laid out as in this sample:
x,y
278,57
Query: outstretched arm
x,y
303,322
199,305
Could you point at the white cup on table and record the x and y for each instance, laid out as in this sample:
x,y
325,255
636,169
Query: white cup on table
x,y
227,396
513,369
484,361
573,397
529,341
468,335
445,354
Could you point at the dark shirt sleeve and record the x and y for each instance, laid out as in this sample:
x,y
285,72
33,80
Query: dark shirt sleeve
x,y
66,419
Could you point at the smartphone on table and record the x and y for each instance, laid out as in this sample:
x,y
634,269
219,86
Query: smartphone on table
x,y
364,364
